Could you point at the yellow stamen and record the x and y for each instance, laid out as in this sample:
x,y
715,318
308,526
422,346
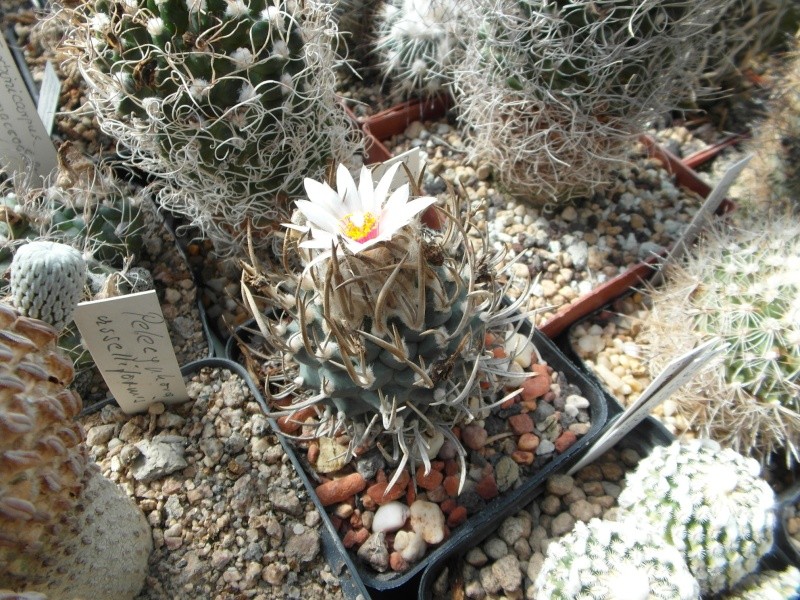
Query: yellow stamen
x,y
360,227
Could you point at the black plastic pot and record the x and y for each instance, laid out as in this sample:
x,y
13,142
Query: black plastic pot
x,y
643,438
397,585
788,502
333,550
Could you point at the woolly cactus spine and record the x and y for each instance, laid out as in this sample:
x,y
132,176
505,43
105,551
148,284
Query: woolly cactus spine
x,y
64,529
47,280
742,286
605,560
389,329
553,92
418,44
709,503
230,103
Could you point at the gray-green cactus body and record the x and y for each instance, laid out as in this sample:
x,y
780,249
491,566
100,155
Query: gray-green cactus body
x,y
606,560
709,503
402,361
47,280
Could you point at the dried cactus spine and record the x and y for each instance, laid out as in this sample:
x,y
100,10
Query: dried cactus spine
x,y
709,503
47,280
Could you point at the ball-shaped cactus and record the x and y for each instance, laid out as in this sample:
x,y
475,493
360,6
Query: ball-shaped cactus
x,y
553,92
607,560
230,102
388,317
418,43
64,529
47,280
740,285
769,585
709,503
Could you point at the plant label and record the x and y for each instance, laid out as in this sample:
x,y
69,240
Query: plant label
x,y
48,97
24,142
129,342
411,158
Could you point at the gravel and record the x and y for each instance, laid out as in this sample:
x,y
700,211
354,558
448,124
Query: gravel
x,y
230,517
507,563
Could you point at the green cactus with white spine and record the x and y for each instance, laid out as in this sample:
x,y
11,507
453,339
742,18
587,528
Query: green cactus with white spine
x,y
390,340
553,92
607,560
418,44
229,102
769,585
709,503
740,285
47,280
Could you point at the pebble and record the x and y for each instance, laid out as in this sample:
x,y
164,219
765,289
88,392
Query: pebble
x,y
390,517
428,520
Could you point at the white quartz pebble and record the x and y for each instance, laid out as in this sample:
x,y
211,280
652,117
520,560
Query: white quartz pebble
x,y
427,519
410,545
390,517
521,348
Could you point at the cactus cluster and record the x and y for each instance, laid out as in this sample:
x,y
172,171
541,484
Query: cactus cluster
x,y
606,560
709,503
64,529
553,91
388,323
418,44
229,102
742,286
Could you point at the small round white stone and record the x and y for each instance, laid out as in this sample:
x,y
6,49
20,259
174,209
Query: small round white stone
x,y
390,517
427,519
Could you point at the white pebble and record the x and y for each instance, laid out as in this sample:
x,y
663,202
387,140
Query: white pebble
x,y
521,348
427,519
410,545
390,517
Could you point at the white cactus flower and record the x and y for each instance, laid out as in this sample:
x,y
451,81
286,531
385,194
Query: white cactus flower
x,y
356,217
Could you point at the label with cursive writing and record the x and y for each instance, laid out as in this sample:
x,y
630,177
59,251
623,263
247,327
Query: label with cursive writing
x,y
129,342
24,141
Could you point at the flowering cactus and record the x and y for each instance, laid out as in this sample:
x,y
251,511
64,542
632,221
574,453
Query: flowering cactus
x,y
418,43
388,317
229,102
740,285
606,560
709,503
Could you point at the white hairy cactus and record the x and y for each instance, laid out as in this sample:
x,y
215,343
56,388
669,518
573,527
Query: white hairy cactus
x,y
47,280
709,503
418,42
606,560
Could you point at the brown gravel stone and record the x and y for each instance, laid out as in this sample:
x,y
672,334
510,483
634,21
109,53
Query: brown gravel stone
x,y
339,490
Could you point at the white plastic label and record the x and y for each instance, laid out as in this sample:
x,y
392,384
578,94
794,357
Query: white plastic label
x,y
23,139
48,97
129,342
